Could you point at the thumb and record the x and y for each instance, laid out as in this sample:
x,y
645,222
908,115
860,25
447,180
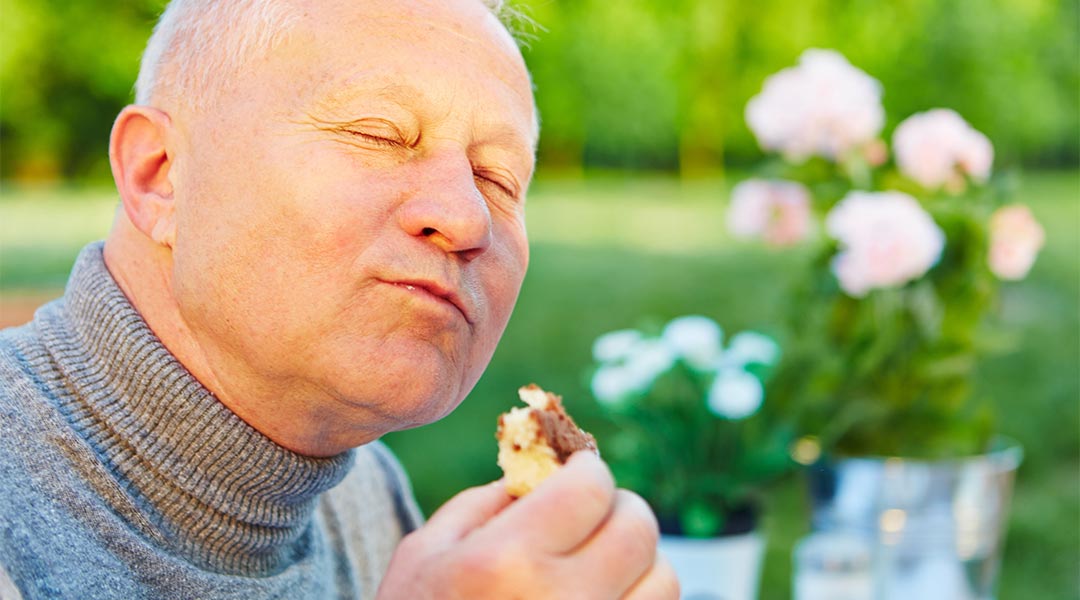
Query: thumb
x,y
467,511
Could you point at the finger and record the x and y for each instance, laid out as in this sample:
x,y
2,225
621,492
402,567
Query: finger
x,y
467,511
563,511
624,548
659,583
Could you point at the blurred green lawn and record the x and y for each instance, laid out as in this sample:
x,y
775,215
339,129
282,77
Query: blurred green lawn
x,y
611,251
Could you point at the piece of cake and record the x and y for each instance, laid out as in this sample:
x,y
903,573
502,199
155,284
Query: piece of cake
x,y
536,440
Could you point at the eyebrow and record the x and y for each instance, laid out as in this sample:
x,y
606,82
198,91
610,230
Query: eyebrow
x,y
404,94
507,137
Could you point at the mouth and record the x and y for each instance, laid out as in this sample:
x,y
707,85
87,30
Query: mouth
x,y
433,291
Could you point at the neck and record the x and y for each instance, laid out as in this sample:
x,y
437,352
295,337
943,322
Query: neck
x,y
143,270
288,414
220,492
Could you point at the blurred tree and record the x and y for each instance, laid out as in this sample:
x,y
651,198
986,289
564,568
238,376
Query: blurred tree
x,y
703,79
654,84
1011,67
66,68
609,79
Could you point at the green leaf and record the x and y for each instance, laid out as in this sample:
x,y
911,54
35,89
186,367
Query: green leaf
x,y
701,521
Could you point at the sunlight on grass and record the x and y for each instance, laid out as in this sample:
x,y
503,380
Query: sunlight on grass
x,y
55,216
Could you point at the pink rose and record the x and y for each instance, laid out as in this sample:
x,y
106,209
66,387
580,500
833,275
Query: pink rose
x,y
824,107
1015,240
776,211
886,240
875,153
936,148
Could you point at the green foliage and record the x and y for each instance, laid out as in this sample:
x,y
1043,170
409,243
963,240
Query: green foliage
x,y
693,467
642,66
891,373
66,69
631,83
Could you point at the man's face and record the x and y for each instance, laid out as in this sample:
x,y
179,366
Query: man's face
x,y
350,221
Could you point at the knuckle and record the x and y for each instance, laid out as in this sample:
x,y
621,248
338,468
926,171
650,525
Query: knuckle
x,y
412,544
641,544
645,524
500,571
595,496
473,564
490,564
638,529
669,582
660,583
669,589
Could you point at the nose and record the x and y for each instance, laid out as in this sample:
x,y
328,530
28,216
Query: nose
x,y
446,208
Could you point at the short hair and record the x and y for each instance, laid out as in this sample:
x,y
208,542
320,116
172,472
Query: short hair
x,y
197,44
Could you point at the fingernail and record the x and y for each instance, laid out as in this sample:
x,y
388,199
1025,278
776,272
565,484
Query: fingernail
x,y
577,456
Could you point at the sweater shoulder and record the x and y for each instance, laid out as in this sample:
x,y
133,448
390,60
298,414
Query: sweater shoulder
x,y
369,512
378,479
24,365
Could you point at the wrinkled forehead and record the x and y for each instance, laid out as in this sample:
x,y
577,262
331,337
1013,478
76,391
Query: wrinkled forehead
x,y
449,67
411,46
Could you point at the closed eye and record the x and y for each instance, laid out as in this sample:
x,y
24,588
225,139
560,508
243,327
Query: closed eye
x,y
489,179
373,131
376,139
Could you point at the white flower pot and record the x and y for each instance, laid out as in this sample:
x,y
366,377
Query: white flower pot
x,y
721,568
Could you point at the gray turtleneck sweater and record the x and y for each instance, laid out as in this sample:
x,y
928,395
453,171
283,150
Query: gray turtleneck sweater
x,y
121,476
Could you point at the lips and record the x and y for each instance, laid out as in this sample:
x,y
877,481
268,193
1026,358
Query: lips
x,y
437,291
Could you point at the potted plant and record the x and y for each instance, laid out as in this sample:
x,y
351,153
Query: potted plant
x,y
891,318
694,440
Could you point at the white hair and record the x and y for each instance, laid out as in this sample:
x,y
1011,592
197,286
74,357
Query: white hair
x,y
198,44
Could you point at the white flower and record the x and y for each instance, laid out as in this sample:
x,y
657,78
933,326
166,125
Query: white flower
x,y
824,106
650,359
735,394
777,211
886,239
1015,240
616,345
630,364
613,383
695,339
936,147
751,347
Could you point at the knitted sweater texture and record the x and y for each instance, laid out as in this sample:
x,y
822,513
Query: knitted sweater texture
x,y
121,476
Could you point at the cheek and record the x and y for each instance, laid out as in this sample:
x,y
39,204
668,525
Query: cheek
x,y
504,277
241,247
337,210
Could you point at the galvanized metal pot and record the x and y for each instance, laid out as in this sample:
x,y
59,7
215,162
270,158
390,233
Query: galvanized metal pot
x,y
929,529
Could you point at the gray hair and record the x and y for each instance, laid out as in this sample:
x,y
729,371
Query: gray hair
x,y
197,44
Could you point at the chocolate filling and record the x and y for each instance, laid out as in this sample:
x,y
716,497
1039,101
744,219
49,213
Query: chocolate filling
x,y
559,430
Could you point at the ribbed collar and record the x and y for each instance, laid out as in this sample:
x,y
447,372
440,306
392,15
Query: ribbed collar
x,y
222,495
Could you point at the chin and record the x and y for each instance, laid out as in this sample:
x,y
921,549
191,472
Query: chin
x,y
401,381
422,407
399,397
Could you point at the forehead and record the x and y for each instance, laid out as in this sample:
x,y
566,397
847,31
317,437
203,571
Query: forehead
x,y
444,55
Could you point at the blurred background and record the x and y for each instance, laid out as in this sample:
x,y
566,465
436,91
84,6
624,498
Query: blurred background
x,y
643,136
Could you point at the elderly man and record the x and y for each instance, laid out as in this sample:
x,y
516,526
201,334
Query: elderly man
x,y
321,239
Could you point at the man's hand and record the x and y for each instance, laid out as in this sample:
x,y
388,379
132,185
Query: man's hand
x,y
575,536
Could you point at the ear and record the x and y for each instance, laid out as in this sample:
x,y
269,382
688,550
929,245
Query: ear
x,y
141,159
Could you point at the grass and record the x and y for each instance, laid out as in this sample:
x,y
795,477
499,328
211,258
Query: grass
x,y
610,252
43,228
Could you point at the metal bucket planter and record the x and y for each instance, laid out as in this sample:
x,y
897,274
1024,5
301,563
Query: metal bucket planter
x,y
928,529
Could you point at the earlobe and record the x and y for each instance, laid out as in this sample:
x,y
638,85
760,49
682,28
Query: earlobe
x,y
164,230
141,161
